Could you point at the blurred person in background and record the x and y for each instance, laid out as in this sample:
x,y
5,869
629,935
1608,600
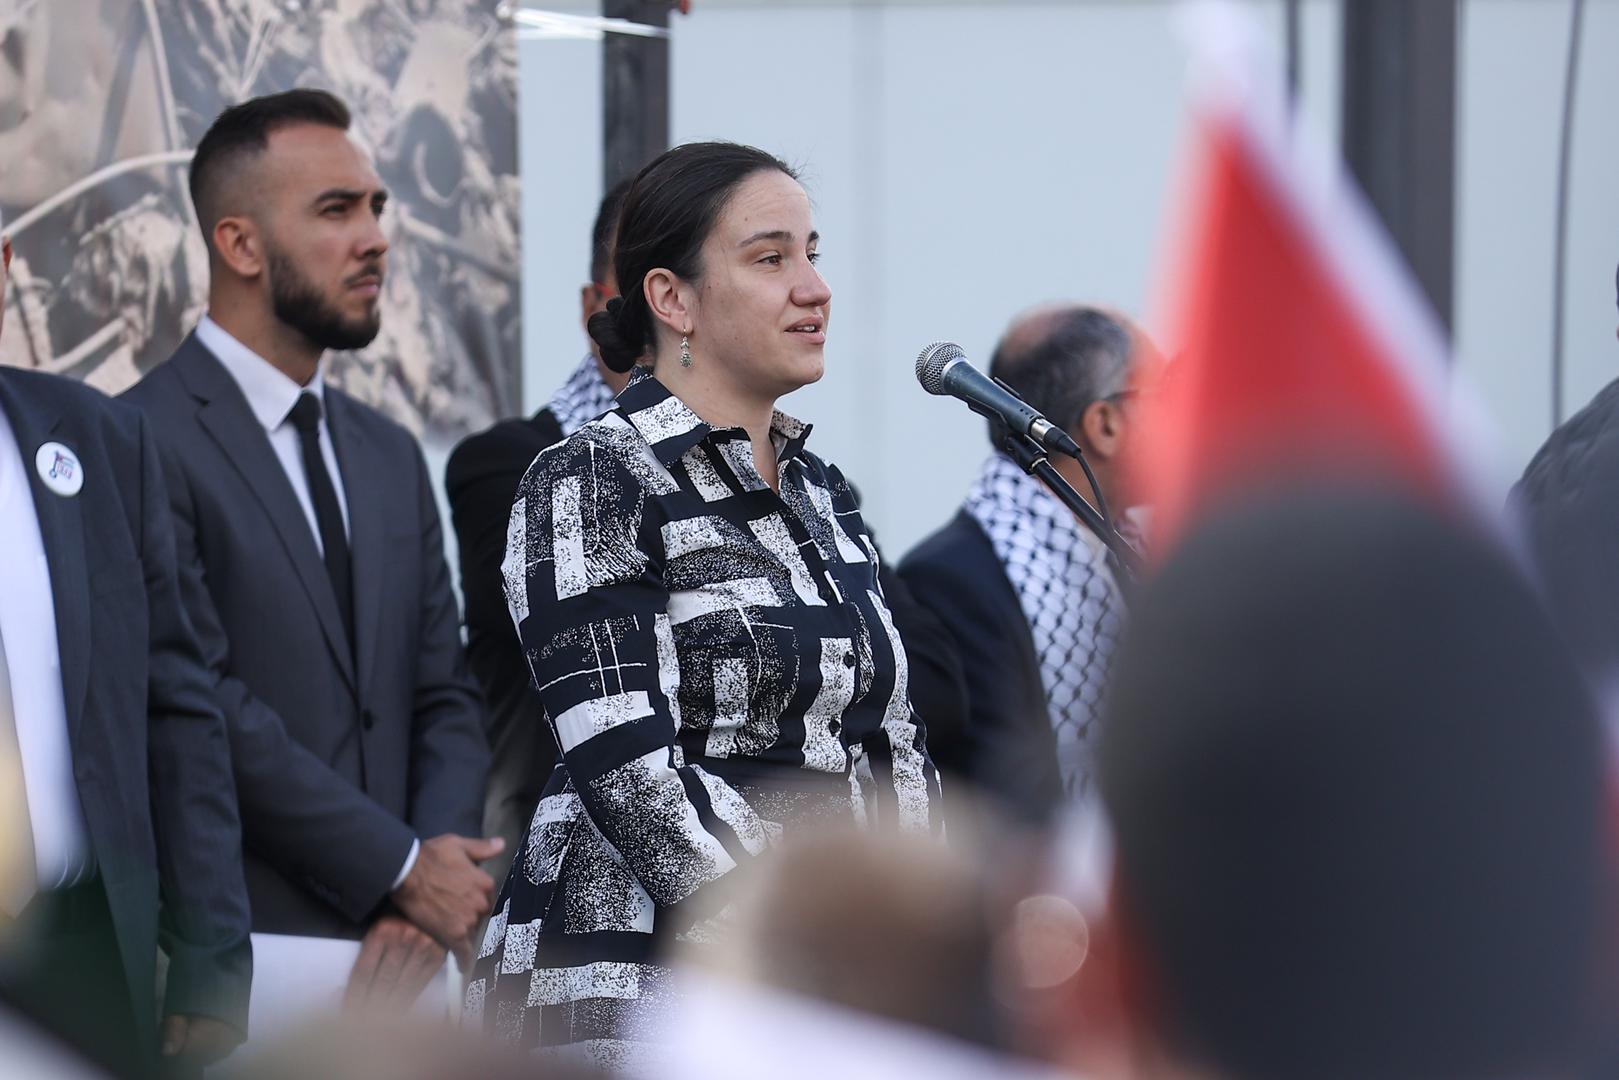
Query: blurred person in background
x,y
312,562
1357,793
118,821
481,481
698,600
1566,499
1024,588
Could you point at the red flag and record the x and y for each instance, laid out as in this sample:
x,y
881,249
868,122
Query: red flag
x,y
1304,349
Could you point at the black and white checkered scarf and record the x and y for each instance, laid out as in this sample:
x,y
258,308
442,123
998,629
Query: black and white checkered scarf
x,y
582,398
1059,570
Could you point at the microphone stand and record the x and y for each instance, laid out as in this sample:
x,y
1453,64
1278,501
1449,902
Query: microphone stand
x,y
1031,457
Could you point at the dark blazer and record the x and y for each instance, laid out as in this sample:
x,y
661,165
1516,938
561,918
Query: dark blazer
x,y
481,479
341,759
1006,747
938,682
150,753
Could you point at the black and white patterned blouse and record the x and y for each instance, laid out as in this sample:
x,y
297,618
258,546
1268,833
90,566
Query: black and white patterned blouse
x,y
717,662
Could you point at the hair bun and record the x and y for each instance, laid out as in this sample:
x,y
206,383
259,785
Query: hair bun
x,y
605,328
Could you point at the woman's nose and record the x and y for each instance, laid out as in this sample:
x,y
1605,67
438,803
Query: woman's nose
x,y
812,290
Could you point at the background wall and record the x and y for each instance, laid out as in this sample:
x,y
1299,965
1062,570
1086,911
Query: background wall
x,y
967,160
970,159
1510,109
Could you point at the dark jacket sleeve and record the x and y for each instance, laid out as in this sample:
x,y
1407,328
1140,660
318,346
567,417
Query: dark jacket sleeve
x,y
449,756
481,480
1004,747
938,683
205,915
312,823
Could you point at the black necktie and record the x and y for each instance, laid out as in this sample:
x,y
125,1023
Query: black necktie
x,y
328,515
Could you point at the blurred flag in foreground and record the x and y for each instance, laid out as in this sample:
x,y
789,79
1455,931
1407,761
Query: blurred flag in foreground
x,y
1305,348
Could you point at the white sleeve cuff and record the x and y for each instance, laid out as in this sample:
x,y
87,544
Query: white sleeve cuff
x,y
410,862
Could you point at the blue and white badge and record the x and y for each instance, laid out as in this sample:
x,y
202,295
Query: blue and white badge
x,y
60,469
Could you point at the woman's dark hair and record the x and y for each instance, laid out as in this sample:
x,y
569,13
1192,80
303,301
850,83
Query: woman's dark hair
x,y
667,215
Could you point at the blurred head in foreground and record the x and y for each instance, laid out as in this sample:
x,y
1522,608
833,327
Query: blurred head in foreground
x,y
862,954
1357,794
355,1048
895,926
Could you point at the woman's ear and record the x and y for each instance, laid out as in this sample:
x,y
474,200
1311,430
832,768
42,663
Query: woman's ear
x,y
667,295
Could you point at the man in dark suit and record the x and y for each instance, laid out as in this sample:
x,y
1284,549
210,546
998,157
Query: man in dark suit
x,y
311,558
481,481
118,824
1021,585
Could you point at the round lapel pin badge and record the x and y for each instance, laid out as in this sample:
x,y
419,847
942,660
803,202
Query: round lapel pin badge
x,y
59,468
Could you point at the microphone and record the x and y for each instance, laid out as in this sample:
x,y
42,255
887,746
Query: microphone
x,y
942,368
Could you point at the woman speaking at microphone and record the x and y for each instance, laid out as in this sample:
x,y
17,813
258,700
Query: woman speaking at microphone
x,y
697,596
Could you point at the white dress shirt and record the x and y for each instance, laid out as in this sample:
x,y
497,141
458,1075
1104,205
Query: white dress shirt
x,y
62,853
271,394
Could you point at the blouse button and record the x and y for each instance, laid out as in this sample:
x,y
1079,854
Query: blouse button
x,y
834,727
848,659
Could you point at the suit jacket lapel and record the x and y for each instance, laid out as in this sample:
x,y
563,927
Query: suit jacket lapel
x,y
225,415
362,467
61,526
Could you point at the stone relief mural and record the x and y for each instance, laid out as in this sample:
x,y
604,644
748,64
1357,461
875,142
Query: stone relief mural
x,y
101,102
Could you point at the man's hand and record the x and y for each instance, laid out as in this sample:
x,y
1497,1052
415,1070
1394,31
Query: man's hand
x,y
198,1040
445,893
396,962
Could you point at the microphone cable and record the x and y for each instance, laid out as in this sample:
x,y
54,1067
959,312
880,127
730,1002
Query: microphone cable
x,y
1560,247
1003,432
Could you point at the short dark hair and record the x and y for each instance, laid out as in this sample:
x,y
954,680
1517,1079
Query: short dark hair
x,y
668,212
1081,355
243,131
601,234
1357,791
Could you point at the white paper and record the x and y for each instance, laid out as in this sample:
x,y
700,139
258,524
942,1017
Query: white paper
x,y
299,981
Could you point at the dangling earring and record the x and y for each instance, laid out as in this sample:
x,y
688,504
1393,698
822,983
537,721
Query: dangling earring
x,y
685,351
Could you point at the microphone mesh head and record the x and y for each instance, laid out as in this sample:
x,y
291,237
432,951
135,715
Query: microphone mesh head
x,y
932,361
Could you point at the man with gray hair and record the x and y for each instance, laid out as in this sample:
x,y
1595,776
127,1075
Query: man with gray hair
x,y
1023,587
